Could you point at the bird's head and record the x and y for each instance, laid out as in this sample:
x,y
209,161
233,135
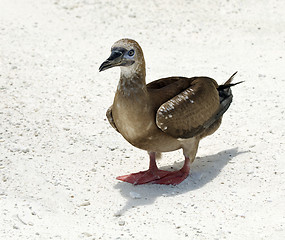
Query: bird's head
x,y
126,53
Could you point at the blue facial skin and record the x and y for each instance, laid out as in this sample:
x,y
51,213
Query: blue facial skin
x,y
118,57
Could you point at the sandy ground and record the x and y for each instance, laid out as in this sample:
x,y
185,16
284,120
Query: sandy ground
x,y
59,156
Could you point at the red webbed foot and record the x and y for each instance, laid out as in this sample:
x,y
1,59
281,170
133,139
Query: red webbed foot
x,y
155,176
143,176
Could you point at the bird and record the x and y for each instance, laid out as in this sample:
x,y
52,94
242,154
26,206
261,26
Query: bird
x,y
165,115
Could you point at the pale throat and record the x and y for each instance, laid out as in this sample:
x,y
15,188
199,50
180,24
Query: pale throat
x,y
132,79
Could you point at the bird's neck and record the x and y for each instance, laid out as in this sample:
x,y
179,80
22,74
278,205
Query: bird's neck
x,y
132,80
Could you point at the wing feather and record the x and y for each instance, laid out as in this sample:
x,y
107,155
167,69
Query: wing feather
x,y
110,118
184,115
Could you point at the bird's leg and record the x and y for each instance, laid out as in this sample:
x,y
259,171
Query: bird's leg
x,y
150,175
176,177
156,176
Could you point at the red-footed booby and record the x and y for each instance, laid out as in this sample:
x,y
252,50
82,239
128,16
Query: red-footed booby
x,y
165,115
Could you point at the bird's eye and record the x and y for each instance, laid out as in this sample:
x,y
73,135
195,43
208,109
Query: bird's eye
x,y
131,52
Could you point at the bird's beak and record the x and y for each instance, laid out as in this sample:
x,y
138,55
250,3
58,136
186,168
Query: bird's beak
x,y
114,60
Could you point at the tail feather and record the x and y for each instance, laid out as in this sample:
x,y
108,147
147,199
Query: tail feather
x,y
230,79
228,83
226,98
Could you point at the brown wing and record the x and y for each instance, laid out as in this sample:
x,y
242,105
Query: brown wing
x,y
165,89
110,118
186,114
164,82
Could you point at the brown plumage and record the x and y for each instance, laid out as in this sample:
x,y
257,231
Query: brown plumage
x,y
164,115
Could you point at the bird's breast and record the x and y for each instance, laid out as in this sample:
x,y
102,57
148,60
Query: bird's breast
x,y
133,119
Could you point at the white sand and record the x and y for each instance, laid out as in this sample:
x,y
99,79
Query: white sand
x,y
59,156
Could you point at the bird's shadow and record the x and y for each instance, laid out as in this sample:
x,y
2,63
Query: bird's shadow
x,y
203,171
